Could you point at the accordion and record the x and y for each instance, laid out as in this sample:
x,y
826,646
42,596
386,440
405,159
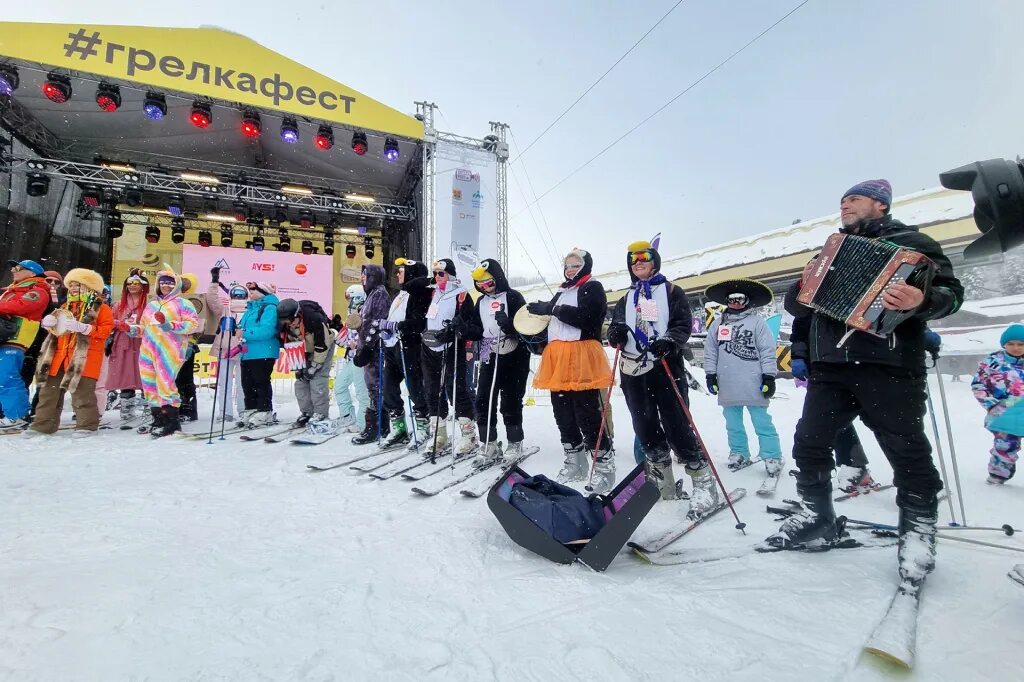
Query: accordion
x,y
851,275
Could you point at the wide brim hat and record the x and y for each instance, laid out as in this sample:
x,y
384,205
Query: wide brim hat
x,y
757,293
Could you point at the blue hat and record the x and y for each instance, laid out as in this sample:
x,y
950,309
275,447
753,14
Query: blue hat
x,y
879,190
1015,332
30,265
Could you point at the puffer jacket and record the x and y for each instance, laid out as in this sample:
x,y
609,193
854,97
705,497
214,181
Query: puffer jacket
x,y
25,302
999,381
259,329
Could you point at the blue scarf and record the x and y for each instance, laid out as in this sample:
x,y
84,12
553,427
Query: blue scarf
x,y
644,284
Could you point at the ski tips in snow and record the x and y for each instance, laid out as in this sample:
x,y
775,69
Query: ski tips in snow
x,y
895,637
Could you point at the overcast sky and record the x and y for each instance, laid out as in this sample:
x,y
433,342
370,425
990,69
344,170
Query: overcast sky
x,y
839,92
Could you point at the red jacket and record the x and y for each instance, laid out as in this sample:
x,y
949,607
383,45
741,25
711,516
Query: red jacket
x,y
25,302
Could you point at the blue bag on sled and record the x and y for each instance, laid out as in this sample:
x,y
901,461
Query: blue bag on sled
x,y
602,524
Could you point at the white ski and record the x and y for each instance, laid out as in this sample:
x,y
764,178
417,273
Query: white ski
x,y
895,636
483,487
312,439
770,483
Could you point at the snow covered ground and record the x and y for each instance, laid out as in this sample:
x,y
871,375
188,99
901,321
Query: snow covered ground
x,y
127,559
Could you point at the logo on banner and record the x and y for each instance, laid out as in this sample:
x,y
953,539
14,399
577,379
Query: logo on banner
x,y
456,194
263,267
301,269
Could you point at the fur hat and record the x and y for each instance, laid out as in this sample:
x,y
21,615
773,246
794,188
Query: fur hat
x,y
90,279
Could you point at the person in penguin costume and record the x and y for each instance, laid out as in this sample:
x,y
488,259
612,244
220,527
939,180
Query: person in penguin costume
x,y
575,369
504,362
650,323
404,325
446,326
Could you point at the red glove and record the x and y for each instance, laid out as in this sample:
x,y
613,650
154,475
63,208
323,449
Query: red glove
x,y
160,317
121,325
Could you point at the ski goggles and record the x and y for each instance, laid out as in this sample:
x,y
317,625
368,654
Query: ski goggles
x,y
238,293
640,257
572,266
487,283
739,299
135,279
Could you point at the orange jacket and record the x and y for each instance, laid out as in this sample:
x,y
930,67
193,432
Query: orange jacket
x,y
66,344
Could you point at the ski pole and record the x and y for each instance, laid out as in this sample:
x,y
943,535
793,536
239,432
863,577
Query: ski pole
x,y
939,534
938,443
380,389
455,394
707,455
589,487
440,395
227,363
220,361
405,373
952,447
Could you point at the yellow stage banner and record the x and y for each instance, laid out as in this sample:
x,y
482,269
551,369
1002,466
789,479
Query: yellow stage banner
x,y
202,61
205,366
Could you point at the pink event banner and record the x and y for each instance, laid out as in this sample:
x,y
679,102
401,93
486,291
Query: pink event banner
x,y
295,275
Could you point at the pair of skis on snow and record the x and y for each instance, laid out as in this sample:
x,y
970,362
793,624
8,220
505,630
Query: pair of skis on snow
x,y
771,482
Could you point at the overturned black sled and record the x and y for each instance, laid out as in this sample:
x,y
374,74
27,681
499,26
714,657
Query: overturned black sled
x,y
624,508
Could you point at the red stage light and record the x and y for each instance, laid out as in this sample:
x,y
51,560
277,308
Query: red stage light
x,y
108,97
251,126
91,198
57,88
324,139
201,116
359,144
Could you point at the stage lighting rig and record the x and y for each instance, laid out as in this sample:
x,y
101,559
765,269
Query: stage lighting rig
x,y
240,210
9,80
91,197
154,106
177,230
391,150
306,219
37,185
227,234
997,187
324,139
202,114
289,130
368,247
257,241
57,88
115,226
152,234
251,126
108,97
329,245
284,242
307,247
175,205
350,251
133,197
359,144
205,238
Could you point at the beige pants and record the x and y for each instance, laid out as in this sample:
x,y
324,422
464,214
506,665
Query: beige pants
x,y
51,404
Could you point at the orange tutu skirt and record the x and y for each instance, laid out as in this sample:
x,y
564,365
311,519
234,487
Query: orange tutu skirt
x,y
573,366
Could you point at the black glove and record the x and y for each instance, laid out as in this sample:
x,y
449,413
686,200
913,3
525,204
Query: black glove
x,y
712,383
539,308
300,375
215,275
618,334
559,310
446,335
662,347
767,385
504,323
458,326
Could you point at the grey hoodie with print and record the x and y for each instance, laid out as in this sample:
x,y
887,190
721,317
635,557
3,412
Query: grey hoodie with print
x,y
739,356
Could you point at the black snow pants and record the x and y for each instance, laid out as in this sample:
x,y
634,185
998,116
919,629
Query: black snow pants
x,y
658,421
509,388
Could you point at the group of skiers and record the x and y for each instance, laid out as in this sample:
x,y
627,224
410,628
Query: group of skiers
x,y
420,338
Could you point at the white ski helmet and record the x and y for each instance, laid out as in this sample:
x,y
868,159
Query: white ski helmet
x,y
355,296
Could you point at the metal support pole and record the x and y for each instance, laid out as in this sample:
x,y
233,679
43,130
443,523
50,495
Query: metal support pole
x,y
952,446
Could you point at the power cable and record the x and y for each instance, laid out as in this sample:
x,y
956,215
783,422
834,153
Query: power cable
x,y
601,78
667,104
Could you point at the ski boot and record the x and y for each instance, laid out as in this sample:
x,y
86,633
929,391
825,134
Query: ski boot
x,y
468,443
513,453
659,466
261,418
574,468
320,425
369,433
918,517
436,441
399,433
704,498
112,401
243,418
815,527
603,480
302,421
169,422
128,408
488,455
737,461
155,422
855,480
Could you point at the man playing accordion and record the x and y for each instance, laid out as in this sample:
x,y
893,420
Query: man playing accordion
x,y
882,379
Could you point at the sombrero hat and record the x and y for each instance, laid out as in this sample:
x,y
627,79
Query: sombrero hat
x,y
757,293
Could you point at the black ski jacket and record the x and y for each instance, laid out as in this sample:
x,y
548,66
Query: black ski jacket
x,y
906,347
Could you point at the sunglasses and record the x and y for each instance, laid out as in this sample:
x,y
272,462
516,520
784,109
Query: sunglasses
x,y
640,257
53,282
737,298
133,280
572,266
440,273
